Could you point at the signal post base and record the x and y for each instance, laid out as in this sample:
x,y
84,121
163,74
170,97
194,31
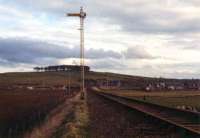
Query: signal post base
x,y
82,96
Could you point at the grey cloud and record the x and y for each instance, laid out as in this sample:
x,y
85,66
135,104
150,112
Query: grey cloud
x,y
142,23
51,7
101,53
31,52
109,63
137,53
179,70
176,70
181,75
183,65
187,44
141,16
6,63
138,16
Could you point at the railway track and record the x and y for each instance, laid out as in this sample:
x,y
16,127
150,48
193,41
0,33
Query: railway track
x,y
186,120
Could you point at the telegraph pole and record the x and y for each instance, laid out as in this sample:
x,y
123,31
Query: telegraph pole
x,y
69,81
82,16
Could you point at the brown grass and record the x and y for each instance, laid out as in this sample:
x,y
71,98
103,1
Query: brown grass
x,y
52,126
78,128
166,98
20,110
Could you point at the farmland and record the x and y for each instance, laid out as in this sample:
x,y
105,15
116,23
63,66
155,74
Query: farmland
x,y
176,99
22,109
26,100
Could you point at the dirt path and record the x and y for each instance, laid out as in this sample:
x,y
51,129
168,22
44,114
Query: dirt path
x,y
54,120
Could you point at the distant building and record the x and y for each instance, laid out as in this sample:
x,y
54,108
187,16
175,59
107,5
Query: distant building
x,y
59,68
192,84
111,84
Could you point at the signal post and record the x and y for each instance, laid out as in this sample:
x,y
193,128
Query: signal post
x,y
82,16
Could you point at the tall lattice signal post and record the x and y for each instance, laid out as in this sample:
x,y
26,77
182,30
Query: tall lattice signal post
x,y
82,16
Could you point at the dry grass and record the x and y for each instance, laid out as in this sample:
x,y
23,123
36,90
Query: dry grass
x,y
166,98
54,121
20,110
44,78
132,93
52,78
78,126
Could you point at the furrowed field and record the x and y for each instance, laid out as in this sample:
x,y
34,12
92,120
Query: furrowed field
x,y
20,110
26,99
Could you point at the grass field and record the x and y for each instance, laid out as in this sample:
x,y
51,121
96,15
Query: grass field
x,y
60,78
172,98
166,98
21,109
42,78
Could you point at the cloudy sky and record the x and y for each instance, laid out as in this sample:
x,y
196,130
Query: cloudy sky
x,y
139,37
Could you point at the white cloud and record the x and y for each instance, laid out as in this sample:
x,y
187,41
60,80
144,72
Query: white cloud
x,y
166,32
137,53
